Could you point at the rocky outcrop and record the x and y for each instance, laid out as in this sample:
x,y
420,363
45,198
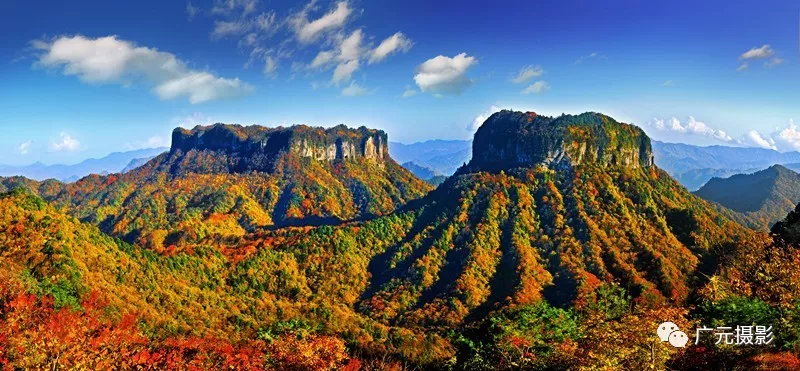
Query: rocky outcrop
x,y
512,139
337,143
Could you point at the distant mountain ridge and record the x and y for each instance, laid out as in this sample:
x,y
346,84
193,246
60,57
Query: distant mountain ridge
x,y
113,163
443,156
760,199
694,165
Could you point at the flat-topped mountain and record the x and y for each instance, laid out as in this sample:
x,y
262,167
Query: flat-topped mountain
x,y
257,142
227,180
511,139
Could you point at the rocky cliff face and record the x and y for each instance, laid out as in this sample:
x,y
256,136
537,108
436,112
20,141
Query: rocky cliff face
x,y
337,143
511,139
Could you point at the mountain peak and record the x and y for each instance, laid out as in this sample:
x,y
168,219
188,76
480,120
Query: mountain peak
x,y
512,139
339,142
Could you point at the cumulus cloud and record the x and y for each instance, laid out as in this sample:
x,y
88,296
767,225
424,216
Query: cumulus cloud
x,y
754,139
789,137
481,118
445,75
395,43
354,90
527,73
65,143
537,88
691,126
308,31
782,139
24,147
743,66
107,60
765,51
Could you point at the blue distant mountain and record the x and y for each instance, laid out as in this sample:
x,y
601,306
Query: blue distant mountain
x,y
113,163
442,156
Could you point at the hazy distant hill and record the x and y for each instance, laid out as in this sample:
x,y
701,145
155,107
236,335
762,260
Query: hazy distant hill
x,y
693,166
113,163
762,198
135,163
444,156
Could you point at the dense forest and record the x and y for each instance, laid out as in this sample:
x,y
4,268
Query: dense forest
x,y
559,246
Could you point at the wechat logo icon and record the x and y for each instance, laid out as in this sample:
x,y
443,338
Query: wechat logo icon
x,y
670,332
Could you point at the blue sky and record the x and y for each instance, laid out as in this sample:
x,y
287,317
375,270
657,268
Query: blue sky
x,y
83,79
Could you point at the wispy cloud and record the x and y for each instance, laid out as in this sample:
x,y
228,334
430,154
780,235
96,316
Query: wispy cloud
x,y
765,51
409,92
527,73
308,30
590,56
537,87
108,59
274,40
392,44
24,147
668,83
354,90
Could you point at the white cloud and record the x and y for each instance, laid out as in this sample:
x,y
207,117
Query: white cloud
x,y
742,66
409,92
538,87
350,48
110,60
323,58
691,126
789,137
308,31
773,62
24,147
481,118
527,73
344,71
765,51
192,120
156,141
444,75
270,66
753,138
65,143
668,83
354,90
394,43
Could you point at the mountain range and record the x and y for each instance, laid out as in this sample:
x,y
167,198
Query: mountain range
x,y
553,247
113,163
